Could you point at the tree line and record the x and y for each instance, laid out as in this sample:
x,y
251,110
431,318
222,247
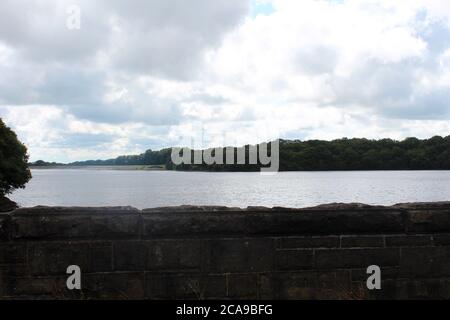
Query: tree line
x,y
317,155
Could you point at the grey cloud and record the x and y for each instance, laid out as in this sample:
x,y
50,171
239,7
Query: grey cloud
x,y
54,85
18,83
435,106
168,38
373,82
67,86
81,140
158,37
207,99
51,64
37,31
152,112
392,90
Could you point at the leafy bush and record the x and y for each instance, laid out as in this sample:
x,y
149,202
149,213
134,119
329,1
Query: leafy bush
x,y
14,171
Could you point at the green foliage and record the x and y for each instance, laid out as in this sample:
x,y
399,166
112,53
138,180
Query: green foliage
x,y
41,163
364,154
14,171
149,157
315,155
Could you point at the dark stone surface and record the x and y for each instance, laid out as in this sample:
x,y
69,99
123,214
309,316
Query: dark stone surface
x,y
362,241
420,289
185,286
193,252
75,223
12,253
160,255
409,240
425,262
310,242
176,255
386,273
129,255
441,239
437,205
356,258
241,255
196,224
426,220
101,257
123,286
306,285
5,222
295,259
289,222
242,286
6,204
39,288
130,223
326,222
53,258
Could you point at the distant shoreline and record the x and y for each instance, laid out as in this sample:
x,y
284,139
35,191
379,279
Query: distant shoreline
x,y
162,168
356,154
105,167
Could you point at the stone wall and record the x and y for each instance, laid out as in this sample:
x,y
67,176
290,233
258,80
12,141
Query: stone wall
x,y
227,253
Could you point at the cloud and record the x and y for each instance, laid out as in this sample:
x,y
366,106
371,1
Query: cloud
x,y
156,73
169,38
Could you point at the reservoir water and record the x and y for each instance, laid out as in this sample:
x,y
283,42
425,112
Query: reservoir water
x,y
145,189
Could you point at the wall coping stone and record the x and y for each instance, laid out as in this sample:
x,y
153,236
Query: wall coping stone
x,y
51,223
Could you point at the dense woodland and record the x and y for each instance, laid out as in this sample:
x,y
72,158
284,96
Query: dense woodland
x,y
311,155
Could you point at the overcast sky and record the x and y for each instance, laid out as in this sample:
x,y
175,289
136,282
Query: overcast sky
x,y
157,73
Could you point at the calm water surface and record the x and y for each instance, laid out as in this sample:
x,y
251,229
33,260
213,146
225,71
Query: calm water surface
x,y
144,189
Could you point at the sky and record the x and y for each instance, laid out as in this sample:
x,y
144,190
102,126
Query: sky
x,y
152,74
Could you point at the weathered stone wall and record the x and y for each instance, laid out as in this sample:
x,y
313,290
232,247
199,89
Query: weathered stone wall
x,y
217,252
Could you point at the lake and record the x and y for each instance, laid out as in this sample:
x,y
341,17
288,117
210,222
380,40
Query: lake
x,y
145,189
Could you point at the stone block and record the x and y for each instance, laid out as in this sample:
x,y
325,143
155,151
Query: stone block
x,y
13,253
55,223
192,224
40,288
294,259
242,286
356,258
409,241
430,262
185,286
48,258
310,242
241,255
386,273
129,255
123,286
176,255
100,256
441,239
362,241
305,285
5,221
429,221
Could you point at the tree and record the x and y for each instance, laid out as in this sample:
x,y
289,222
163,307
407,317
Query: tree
x,y
14,171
